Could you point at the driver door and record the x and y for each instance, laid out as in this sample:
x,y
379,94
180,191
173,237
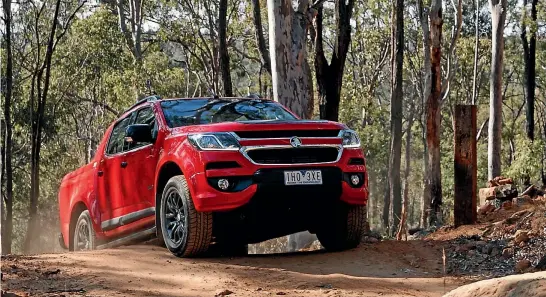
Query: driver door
x,y
139,175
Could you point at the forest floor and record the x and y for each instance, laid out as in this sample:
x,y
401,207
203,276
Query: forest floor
x,y
506,240
386,268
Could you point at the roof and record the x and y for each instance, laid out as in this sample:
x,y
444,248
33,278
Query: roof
x,y
154,98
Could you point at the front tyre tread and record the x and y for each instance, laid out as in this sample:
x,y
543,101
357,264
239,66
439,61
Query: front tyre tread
x,y
199,226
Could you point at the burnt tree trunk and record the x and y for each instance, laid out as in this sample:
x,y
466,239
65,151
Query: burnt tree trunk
x,y
529,59
433,113
7,223
292,82
397,60
465,163
498,17
223,50
330,76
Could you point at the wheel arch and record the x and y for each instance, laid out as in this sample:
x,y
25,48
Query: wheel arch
x,y
166,171
78,208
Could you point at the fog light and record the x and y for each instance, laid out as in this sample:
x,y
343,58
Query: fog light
x,y
223,184
355,179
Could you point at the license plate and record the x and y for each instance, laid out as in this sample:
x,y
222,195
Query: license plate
x,y
303,177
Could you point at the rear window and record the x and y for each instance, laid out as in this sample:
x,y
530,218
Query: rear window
x,y
184,112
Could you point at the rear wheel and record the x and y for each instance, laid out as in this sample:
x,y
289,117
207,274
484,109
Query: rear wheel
x,y
344,228
84,234
185,231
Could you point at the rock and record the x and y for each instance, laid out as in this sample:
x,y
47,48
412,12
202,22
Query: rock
x,y
487,249
462,248
506,205
508,253
522,265
368,239
223,293
281,293
495,252
542,263
524,285
522,200
521,236
486,208
487,194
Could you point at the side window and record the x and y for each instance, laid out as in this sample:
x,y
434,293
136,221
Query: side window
x,y
144,116
117,138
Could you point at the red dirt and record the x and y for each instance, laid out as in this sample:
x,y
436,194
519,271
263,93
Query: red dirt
x,y
388,268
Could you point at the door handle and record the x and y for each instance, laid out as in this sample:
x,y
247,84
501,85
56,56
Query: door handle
x,y
123,164
100,173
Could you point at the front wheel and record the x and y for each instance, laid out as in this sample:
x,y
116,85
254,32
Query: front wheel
x,y
344,228
84,235
186,232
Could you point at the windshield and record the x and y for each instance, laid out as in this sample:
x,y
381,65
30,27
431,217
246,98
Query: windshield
x,y
184,112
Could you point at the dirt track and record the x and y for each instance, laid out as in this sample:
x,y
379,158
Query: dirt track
x,y
381,269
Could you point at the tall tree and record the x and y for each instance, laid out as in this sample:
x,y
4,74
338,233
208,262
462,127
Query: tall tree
x,y
433,113
476,48
7,144
259,35
397,96
292,83
40,85
498,17
223,50
529,58
130,24
427,87
330,75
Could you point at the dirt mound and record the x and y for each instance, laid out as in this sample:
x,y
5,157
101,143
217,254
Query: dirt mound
x,y
523,285
507,239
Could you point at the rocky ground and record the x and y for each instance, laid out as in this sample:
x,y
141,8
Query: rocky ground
x,y
510,237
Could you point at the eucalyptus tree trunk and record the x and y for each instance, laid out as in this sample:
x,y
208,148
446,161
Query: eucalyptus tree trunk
x,y
529,58
292,84
397,96
476,48
222,49
433,112
426,201
7,165
498,17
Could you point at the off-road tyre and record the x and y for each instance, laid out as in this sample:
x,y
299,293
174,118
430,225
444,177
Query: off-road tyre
x,y
344,228
196,228
84,236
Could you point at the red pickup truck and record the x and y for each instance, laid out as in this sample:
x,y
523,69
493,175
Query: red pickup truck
x,y
216,172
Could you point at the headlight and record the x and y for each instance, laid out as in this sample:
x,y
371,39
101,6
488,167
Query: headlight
x,y
350,139
214,141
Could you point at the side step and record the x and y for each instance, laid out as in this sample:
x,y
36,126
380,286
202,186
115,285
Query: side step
x,y
124,240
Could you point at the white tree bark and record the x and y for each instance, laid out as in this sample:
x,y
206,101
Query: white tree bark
x,y
498,17
292,84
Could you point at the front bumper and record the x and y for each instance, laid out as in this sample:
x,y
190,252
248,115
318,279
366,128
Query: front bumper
x,y
257,181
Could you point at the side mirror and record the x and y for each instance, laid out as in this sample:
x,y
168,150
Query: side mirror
x,y
139,133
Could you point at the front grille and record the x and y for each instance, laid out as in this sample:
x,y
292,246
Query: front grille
x,y
287,133
294,155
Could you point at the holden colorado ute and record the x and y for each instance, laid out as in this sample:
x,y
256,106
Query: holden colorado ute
x,y
222,173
